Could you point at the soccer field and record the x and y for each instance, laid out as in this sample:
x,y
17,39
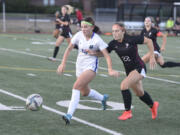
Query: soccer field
x,y
25,70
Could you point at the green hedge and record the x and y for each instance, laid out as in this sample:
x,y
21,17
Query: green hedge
x,y
24,6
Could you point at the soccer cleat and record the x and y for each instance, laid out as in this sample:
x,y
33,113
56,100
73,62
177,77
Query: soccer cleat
x,y
67,118
51,59
104,104
126,115
154,110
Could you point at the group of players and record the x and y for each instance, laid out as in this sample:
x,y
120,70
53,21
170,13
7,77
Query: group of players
x,y
90,46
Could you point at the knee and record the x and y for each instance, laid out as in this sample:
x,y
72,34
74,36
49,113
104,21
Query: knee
x,y
77,85
139,93
57,44
124,86
162,65
84,93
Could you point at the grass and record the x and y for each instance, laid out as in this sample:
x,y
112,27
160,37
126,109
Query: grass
x,y
14,78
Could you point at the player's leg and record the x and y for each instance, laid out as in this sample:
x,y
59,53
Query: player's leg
x,y
59,41
94,94
164,64
56,33
146,58
68,40
131,79
146,98
81,83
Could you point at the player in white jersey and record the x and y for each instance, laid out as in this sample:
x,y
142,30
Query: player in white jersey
x,y
86,66
84,61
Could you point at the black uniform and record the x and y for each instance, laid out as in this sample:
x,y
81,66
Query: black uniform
x,y
128,52
57,25
152,34
66,31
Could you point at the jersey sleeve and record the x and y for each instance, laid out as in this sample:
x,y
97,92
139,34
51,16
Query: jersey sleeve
x,y
102,45
67,18
110,47
156,32
138,39
75,39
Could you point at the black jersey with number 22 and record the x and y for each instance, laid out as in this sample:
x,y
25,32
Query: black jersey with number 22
x,y
127,51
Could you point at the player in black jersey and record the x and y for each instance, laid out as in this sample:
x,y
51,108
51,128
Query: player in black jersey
x,y
151,33
125,47
66,33
57,26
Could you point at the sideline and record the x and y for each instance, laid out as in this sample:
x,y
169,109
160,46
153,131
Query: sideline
x,y
41,56
62,113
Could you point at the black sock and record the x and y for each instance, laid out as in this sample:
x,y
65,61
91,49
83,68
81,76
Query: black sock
x,y
146,98
170,64
127,99
56,49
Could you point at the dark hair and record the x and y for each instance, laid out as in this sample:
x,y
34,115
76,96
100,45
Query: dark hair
x,y
121,25
90,20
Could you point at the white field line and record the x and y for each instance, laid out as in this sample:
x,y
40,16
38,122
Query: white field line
x,y
62,113
41,56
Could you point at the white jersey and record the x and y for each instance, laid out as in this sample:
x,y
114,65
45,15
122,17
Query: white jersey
x,y
85,61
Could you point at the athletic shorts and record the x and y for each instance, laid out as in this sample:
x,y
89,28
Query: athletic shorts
x,y
66,33
140,70
143,72
57,26
158,53
91,65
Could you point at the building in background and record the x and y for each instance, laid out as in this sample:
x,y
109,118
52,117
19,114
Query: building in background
x,y
86,4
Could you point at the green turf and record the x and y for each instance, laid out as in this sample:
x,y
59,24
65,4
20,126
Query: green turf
x,y
14,68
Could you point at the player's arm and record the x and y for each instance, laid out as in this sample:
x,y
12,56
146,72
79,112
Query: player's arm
x,y
149,43
61,22
109,63
94,53
62,66
164,38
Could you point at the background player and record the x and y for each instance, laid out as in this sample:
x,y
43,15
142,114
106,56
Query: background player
x,y
57,26
66,33
151,33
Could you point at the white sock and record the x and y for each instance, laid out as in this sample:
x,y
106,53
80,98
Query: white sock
x,y
74,101
95,95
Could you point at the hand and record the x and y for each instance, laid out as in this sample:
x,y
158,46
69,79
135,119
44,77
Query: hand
x,y
58,20
162,49
152,62
113,73
91,52
60,69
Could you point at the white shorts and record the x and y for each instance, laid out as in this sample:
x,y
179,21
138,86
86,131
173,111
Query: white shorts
x,y
91,65
156,52
143,72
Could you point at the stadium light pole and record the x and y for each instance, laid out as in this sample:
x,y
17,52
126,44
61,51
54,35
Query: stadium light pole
x,y
4,16
175,9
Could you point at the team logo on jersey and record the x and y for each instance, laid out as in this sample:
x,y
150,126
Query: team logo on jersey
x,y
150,33
127,45
91,47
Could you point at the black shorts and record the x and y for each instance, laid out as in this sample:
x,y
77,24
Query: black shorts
x,y
66,33
139,69
79,22
57,26
157,48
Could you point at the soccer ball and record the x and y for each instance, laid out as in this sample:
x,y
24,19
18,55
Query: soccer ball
x,y
34,102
